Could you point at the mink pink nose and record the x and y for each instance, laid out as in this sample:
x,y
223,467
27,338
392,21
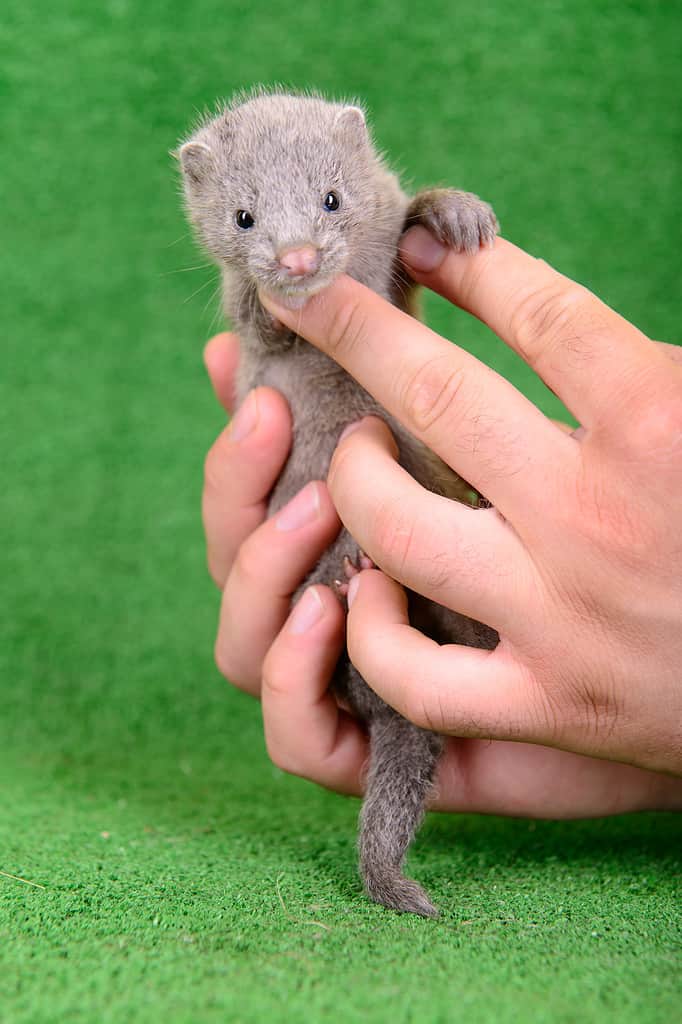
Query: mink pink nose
x,y
300,261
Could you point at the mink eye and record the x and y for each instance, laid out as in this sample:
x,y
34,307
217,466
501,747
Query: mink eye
x,y
331,202
244,219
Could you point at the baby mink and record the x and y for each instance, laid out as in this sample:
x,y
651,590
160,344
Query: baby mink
x,y
286,192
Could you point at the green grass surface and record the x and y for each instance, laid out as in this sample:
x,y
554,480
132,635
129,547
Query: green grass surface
x,y
182,877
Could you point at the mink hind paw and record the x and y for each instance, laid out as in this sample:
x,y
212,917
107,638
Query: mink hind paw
x,y
458,219
352,568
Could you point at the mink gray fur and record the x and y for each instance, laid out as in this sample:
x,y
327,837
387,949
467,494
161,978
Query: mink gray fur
x,y
276,157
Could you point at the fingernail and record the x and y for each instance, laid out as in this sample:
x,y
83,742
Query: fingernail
x,y
367,421
353,585
349,430
301,510
306,613
421,250
246,418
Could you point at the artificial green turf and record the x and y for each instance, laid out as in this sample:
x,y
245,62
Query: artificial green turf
x,y
183,877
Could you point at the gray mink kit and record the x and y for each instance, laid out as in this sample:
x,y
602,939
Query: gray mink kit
x,y
286,192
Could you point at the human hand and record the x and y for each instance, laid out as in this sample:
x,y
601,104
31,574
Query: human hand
x,y
259,567
578,565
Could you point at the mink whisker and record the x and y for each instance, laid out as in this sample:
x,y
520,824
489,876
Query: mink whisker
x,y
199,289
187,270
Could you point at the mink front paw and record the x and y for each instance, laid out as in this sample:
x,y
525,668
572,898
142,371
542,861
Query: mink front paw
x,y
458,219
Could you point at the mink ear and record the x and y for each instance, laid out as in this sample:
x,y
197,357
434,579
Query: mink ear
x,y
196,162
350,122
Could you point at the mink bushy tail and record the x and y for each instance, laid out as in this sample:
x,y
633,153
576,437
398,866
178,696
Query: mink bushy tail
x,y
403,760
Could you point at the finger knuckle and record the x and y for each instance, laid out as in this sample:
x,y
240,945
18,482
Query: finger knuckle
x,y
430,397
217,569
251,563
347,326
341,473
438,569
276,684
423,711
392,538
547,314
656,432
215,466
596,711
280,756
473,275
225,662
222,659
615,526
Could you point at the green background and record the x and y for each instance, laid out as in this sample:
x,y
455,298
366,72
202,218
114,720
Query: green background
x,y
184,878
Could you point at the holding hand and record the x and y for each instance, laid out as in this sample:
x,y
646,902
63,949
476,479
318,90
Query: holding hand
x,y
579,563
575,564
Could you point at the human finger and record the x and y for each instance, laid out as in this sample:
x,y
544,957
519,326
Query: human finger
x,y
673,352
449,688
467,559
306,732
476,421
239,472
592,358
221,358
465,691
269,567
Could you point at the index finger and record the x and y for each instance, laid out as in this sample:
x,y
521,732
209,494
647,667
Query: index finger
x,y
589,355
474,419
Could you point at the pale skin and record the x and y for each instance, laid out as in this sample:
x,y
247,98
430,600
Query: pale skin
x,y
578,565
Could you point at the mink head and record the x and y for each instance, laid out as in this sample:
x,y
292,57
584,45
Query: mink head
x,y
289,192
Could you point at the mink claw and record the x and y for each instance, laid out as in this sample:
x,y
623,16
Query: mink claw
x,y
352,568
365,561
